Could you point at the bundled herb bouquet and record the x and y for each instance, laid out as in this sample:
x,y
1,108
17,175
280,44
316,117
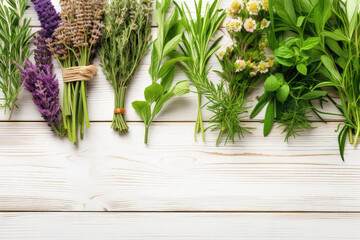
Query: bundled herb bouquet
x,y
162,67
38,78
74,45
244,63
126,39
15,36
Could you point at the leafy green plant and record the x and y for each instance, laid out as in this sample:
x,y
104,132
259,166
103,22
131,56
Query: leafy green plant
x,y
297,42
197,49
126,39
162,68
341,66
245,62
15,36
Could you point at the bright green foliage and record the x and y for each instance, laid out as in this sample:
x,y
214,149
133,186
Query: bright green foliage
x,y
197,49
341,62
126,39
162,69
15,36
297,41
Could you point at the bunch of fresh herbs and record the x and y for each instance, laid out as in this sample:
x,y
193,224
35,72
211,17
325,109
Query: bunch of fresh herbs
x,y
244,63
126,39
297,41
197,47
162,67
341,64
15,36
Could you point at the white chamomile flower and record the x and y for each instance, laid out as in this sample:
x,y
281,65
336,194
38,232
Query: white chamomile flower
x,y
263,67
253,6
230,12
224,50
254,71
234,25
250,25
262,46
237,5
265,5
264,23
240,65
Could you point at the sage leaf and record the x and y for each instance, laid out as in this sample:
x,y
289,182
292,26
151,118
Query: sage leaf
x,y
181,88
314,94
330,67
153,92
142,108
269,118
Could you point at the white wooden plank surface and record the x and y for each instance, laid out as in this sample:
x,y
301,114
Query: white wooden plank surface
x,y
179,226
40,172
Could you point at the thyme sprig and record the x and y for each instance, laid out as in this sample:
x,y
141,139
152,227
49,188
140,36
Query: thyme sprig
x,y
15,36
126,38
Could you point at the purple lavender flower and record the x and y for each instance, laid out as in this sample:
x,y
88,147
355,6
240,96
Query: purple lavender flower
x,y
45,90
48,16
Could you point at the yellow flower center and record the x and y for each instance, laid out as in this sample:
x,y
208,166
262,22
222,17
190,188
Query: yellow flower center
x,y
264,22
221,53
250,24
271,63
236,5
262,67
265,5
253,6
237,24
249,63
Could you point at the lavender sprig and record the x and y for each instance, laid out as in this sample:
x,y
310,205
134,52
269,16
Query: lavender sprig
x,y
38,78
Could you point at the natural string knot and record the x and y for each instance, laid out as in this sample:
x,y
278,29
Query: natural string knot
x,y
81,73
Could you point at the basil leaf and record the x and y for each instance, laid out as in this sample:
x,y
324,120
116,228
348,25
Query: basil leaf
x,y
284,52
302,69
272,84
282,93
310,43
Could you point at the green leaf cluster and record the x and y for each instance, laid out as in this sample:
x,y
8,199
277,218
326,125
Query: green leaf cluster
x,y
162,68
15,36
297,41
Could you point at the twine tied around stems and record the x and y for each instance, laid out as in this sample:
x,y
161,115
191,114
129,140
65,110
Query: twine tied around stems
x,y
119,110
81,73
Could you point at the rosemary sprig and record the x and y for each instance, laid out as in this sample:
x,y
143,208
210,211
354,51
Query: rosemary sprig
x,y
126,39
197,48
15,36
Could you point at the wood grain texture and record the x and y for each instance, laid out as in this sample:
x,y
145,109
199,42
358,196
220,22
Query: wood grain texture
x,y
179,226
39,171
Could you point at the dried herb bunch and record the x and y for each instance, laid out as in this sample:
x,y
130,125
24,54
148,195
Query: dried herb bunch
x,y
126,38
197,48
38,79
74,44
15,36
244,63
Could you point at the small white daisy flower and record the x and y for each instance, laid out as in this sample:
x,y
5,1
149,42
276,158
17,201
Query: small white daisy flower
x,y
237,5
264,23
254,71
265,5
240,65
253,6
250,25
263,67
